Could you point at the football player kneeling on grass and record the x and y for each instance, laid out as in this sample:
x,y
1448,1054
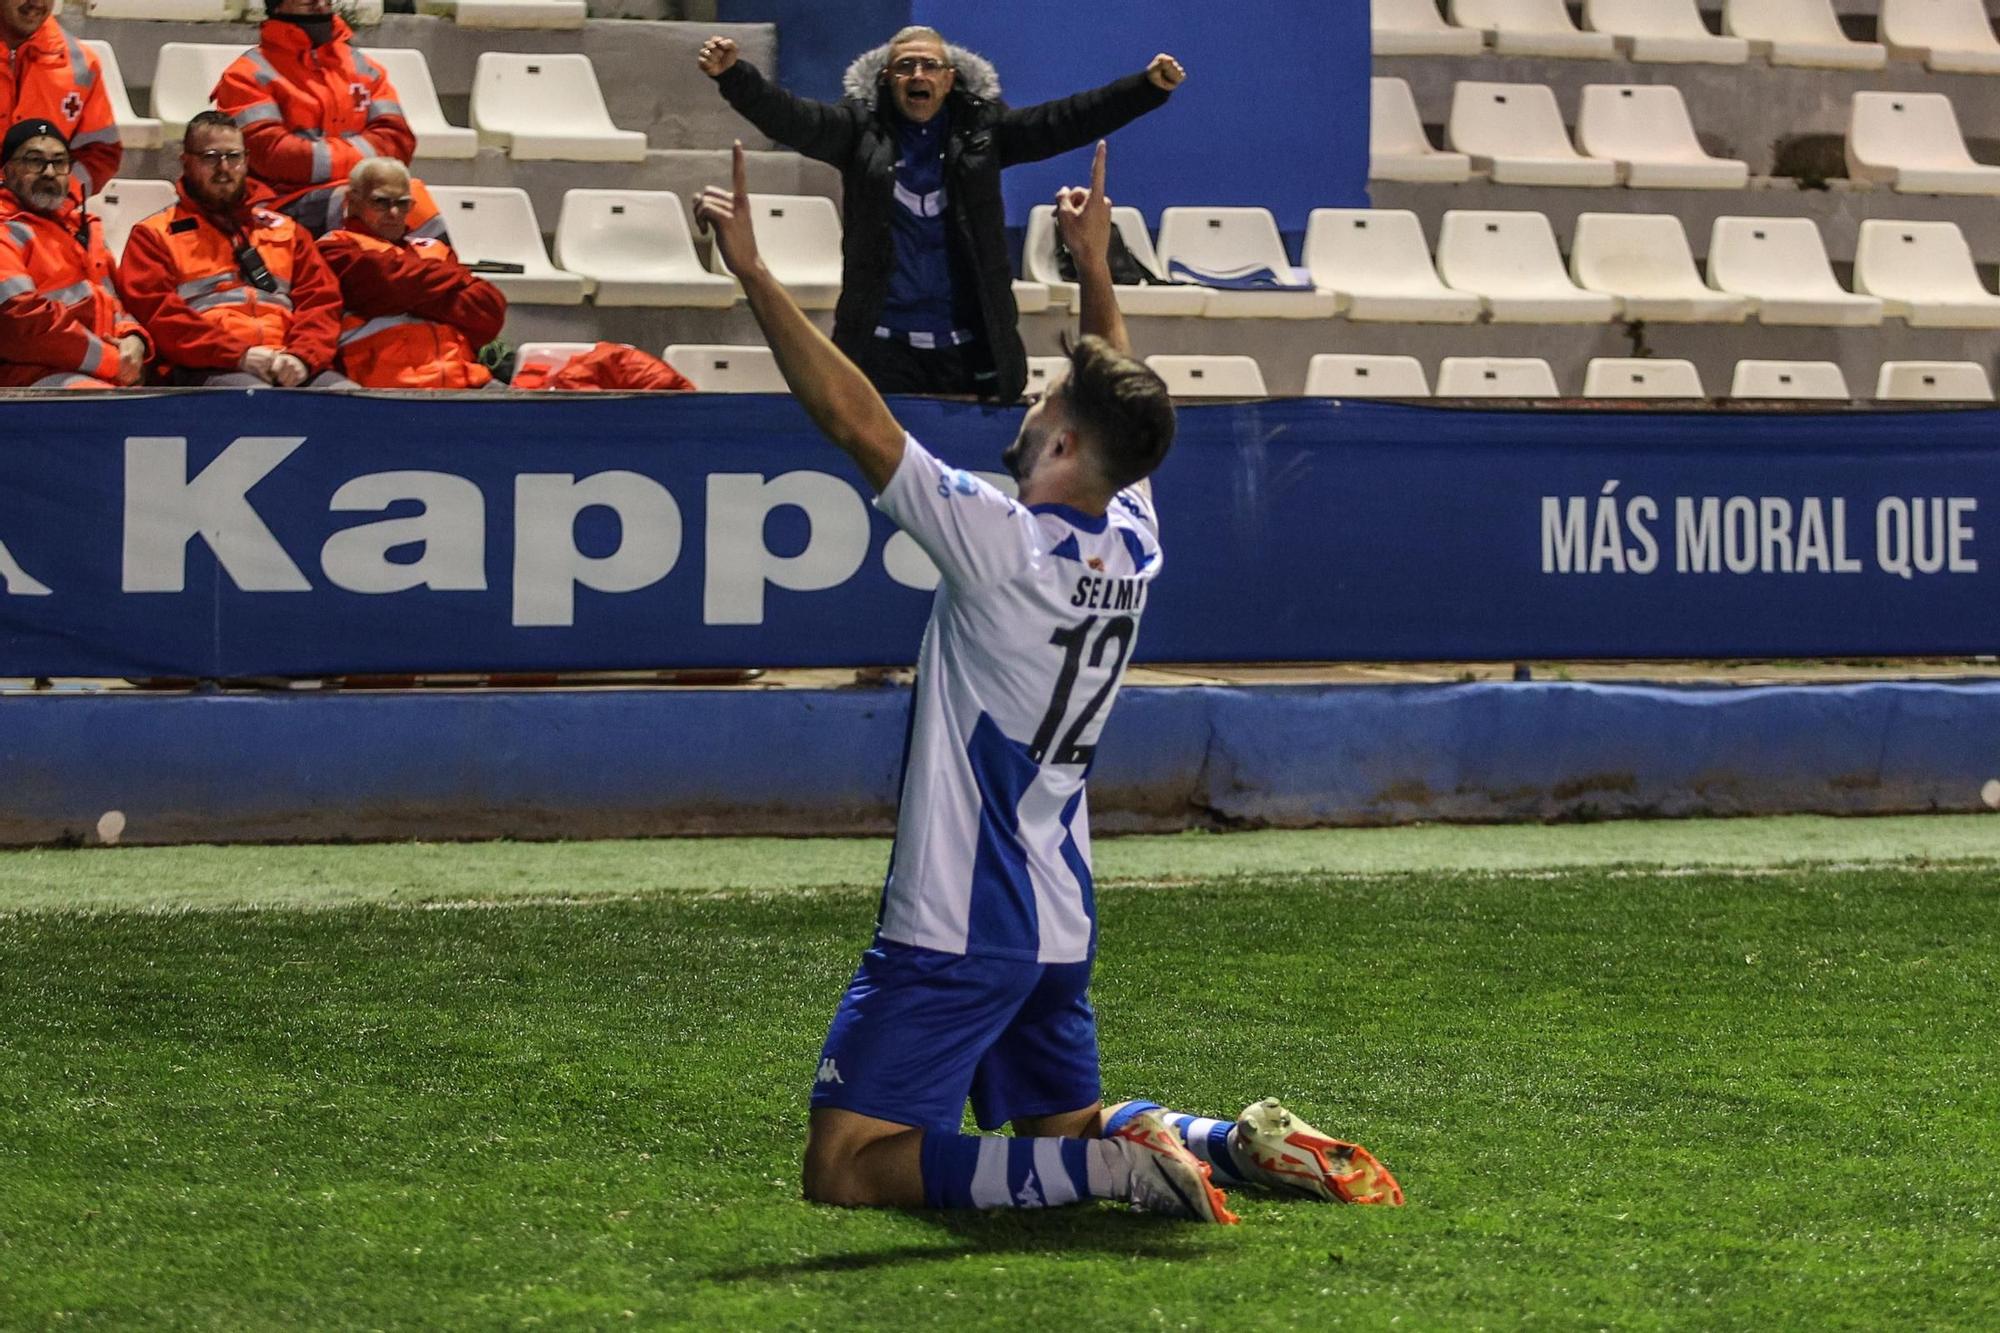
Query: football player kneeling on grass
x,y
977,985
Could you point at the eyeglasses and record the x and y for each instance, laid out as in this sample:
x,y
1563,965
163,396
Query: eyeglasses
x,y
217,157
909,66
36,164
389,203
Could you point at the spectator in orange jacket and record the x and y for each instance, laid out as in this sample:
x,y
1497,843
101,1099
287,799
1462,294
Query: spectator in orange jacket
x,y
49,76
416,317
232,293
310,107
61,326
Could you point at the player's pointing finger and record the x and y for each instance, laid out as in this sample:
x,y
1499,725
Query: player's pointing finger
x,y
740,173
1097,169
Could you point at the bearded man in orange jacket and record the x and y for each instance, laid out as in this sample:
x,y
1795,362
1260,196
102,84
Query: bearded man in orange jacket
x,y
310,107
61,324
416,316
48,75
232,293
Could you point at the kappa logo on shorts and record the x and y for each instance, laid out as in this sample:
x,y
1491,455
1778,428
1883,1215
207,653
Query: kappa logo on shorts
x,y
829,1072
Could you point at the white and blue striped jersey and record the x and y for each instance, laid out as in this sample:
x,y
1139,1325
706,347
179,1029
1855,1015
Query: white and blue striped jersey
x,y
1033,625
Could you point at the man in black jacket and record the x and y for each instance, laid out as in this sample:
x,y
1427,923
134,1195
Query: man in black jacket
x,y
927,296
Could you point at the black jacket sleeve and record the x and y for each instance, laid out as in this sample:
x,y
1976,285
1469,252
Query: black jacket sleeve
x,y
1031,133
826,131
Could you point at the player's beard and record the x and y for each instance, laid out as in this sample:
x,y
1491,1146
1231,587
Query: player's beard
x,y
1026,450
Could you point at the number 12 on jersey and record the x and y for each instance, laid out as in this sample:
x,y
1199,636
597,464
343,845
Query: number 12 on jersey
x,y
1074,640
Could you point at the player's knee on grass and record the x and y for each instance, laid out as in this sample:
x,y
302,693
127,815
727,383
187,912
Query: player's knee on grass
x,y
860,1170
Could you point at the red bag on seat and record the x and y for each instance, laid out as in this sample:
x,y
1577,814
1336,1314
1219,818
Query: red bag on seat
x,y
618,367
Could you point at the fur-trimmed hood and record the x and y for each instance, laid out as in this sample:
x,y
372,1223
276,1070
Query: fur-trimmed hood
x,y
976,75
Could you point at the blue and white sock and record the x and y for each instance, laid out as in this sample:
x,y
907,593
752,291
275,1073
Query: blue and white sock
x,y
987,1171
1212,1141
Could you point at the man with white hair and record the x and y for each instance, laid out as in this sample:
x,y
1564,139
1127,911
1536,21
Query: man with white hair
x,y
416,316
927,295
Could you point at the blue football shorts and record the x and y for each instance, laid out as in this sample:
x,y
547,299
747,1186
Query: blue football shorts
x,y
919,1031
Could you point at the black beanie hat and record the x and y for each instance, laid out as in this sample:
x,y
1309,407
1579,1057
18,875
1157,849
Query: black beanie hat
x,y
23,130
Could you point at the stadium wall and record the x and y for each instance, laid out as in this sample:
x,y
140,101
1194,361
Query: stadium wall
x,y
635,763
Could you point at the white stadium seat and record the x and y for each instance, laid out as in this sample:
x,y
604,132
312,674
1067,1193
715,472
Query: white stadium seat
x,y
1782,264
1933,382
1951,36
1641,377
1225,240
1329,375
726,368
1031,297
636,247
1038,259
184,79
179,11
547,108
1398,147
1800,32
1515,132
1511,261
1665,32
417,92
1923,271
1044,371
1376,262
1532,28
121,203
134,130
520,13
1414,28
1210,376
498,224
1789,379
551,355
1495,377
799,237
1646,131
1911,142
1643,259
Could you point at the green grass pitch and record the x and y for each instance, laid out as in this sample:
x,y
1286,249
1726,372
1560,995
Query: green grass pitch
x,y
1740,1075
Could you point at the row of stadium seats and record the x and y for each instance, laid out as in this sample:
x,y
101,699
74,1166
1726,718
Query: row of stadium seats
x,y
1641,136
728,368
1950,36
1374,265
538,106
467,13
1353,376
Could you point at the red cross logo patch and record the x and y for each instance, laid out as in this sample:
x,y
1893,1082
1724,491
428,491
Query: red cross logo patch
x,y
359,92
72,105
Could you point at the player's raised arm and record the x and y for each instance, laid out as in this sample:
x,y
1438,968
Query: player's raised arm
x,y
834,392
1084,218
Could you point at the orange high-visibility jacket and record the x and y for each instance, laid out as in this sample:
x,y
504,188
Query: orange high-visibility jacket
x,y
51,77
60,317
309,113
181,278
416,316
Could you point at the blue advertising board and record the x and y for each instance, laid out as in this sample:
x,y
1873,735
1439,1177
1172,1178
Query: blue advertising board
x,y
267,533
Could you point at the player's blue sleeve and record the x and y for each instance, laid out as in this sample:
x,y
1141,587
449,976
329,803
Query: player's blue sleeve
x,y
971,530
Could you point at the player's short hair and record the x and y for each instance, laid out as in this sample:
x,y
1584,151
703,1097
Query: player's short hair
x,y
1121,406
206,120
